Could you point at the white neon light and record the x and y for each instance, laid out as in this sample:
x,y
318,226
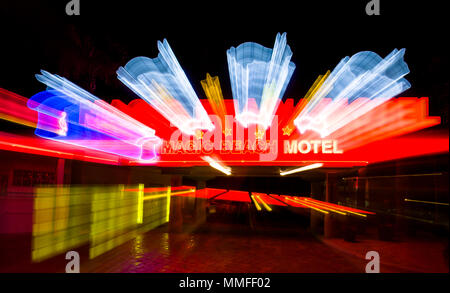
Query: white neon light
x,y
88,111
301,169
361,82
259,77
163,84
216,165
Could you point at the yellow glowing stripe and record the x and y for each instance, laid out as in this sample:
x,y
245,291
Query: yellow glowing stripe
x,y
258,207
168,204
140,207
430,202
213,91
264,204
309,206
17,120
183,191
161,195
316,85
324,206
312,95
338,208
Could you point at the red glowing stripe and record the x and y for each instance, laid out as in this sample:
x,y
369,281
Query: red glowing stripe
x,y
13,107
209,192
234,195
38,146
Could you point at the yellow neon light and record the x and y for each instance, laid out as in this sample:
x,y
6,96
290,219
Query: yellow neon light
x,y
168,204
17,120
324,206
264,204
287,130
160,195
316,86
430,202
101,216
309,206
140,206
183,191
211,86
341,209
258,207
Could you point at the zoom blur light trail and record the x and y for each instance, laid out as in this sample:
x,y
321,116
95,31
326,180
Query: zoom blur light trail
x,y
326,206
216,165
259,77
258,207
163,84
213,91
13,108
301,169
258,198
356,86
71,115
306,204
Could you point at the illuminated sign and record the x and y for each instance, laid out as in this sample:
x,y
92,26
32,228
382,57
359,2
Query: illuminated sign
x,y
326,146
348,117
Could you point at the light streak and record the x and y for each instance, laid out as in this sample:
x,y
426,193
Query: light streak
x,y
266,206
428,202
301,169
140,206
163,84
303,200
306,204
290,126
211,86
216,165
344,209
71,115
364,75
258,207
168,204
259,77
13,108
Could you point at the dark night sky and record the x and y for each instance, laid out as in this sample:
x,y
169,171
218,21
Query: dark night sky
x,y
38,35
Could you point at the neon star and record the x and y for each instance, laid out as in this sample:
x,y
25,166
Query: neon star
x,y
260,133
287,130
228,131
199,134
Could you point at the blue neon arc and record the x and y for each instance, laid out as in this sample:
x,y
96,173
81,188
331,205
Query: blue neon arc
x,y
259,77
69,114
163,84
364,75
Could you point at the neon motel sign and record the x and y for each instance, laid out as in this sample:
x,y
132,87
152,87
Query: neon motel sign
x,y
326,146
